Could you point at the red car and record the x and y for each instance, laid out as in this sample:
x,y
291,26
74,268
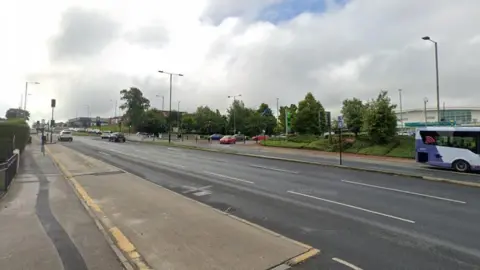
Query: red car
x,y
228,140
260,138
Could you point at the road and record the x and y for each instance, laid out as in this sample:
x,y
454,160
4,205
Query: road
x,y
410,168
367,220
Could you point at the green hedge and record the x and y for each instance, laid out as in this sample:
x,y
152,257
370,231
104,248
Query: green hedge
x,y
14,128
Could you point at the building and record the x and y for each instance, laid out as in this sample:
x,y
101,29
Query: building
x,y
84,122
458,116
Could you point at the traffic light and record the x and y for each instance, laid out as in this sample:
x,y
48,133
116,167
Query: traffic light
x,y
52,123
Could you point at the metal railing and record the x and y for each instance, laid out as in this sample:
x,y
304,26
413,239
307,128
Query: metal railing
x,y
8,170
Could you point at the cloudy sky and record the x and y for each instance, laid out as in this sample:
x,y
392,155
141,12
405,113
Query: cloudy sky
x,y
84,52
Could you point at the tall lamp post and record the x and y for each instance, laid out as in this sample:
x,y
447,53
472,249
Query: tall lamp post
x,y
401,112
178,116
26,94
170,106
425,100
234,120
436,73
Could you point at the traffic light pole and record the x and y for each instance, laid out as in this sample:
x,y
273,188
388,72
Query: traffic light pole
x,y
51,127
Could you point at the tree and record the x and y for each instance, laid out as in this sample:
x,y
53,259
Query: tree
x,y
153,122
17,113
135,104
208,121
268,119
292,109
237,116
353,111
310,118
188,123
380,120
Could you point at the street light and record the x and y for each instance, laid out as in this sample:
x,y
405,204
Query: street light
x,y
115,108
234,120
401,112
26,94
425,100
163,101
436,73
170,106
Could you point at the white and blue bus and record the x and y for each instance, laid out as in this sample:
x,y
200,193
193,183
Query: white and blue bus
x,y
455,148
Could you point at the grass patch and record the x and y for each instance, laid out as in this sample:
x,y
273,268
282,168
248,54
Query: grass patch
x,y
401,147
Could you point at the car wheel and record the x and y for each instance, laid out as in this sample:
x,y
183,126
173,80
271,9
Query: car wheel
x,y
461,166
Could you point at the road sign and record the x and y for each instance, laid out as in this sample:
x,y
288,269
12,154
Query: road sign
x,y
340,121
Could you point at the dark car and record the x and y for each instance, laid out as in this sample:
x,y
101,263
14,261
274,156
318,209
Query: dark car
x,y
117,137
216,137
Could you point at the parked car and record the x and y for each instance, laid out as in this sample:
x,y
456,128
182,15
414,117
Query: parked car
x,y
228,140
240,137
260,138
116,137
65,136
216,137
106,134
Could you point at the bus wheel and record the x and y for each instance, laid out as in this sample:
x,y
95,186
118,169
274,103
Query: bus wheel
x,y
461,166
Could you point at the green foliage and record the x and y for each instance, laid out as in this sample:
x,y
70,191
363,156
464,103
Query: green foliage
x,y
353,111
135,104
208,121
188,123
13,113
153,122
292,109
310,118
237,114
380,120
17,129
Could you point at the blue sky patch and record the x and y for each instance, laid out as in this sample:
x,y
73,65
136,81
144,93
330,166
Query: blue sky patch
x,y
289,9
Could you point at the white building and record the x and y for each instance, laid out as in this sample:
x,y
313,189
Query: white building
x,y
459,116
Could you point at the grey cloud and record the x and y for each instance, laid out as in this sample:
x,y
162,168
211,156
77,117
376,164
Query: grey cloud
x,y
83,33
151,37
389,34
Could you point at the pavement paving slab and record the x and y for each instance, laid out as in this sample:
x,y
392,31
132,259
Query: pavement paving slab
x,y
44,226
171,231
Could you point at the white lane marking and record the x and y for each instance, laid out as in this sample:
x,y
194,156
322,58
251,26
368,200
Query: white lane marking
x,y
351,206
347,264
273,169
404,191
228,177
171,164
103,153
202,193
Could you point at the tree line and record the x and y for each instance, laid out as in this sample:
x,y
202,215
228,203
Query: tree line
x,y
376,117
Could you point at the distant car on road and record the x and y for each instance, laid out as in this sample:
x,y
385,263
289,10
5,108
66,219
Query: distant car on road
x,y
116,137
106,134
260,138
239,137
65,136
216,137
228,140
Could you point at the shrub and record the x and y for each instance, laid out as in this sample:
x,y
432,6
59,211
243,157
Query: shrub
x,y
14,128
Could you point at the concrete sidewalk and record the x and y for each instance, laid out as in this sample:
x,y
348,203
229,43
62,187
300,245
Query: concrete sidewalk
x,y
43,224
157,228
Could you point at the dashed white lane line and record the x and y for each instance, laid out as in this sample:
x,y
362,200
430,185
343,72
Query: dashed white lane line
x,y
405,191
103,153
351,206
228,177
346,264
273,169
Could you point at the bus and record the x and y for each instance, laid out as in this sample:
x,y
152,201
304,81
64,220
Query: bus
x,y
455,148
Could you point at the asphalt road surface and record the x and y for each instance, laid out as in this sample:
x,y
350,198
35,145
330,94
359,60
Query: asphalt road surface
x,y
358,219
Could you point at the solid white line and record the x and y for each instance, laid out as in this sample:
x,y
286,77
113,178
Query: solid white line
x,y
404,191
228,177
273,169
347,264
351,206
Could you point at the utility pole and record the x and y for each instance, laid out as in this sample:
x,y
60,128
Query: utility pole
x,y
163,101
26,94
178,116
